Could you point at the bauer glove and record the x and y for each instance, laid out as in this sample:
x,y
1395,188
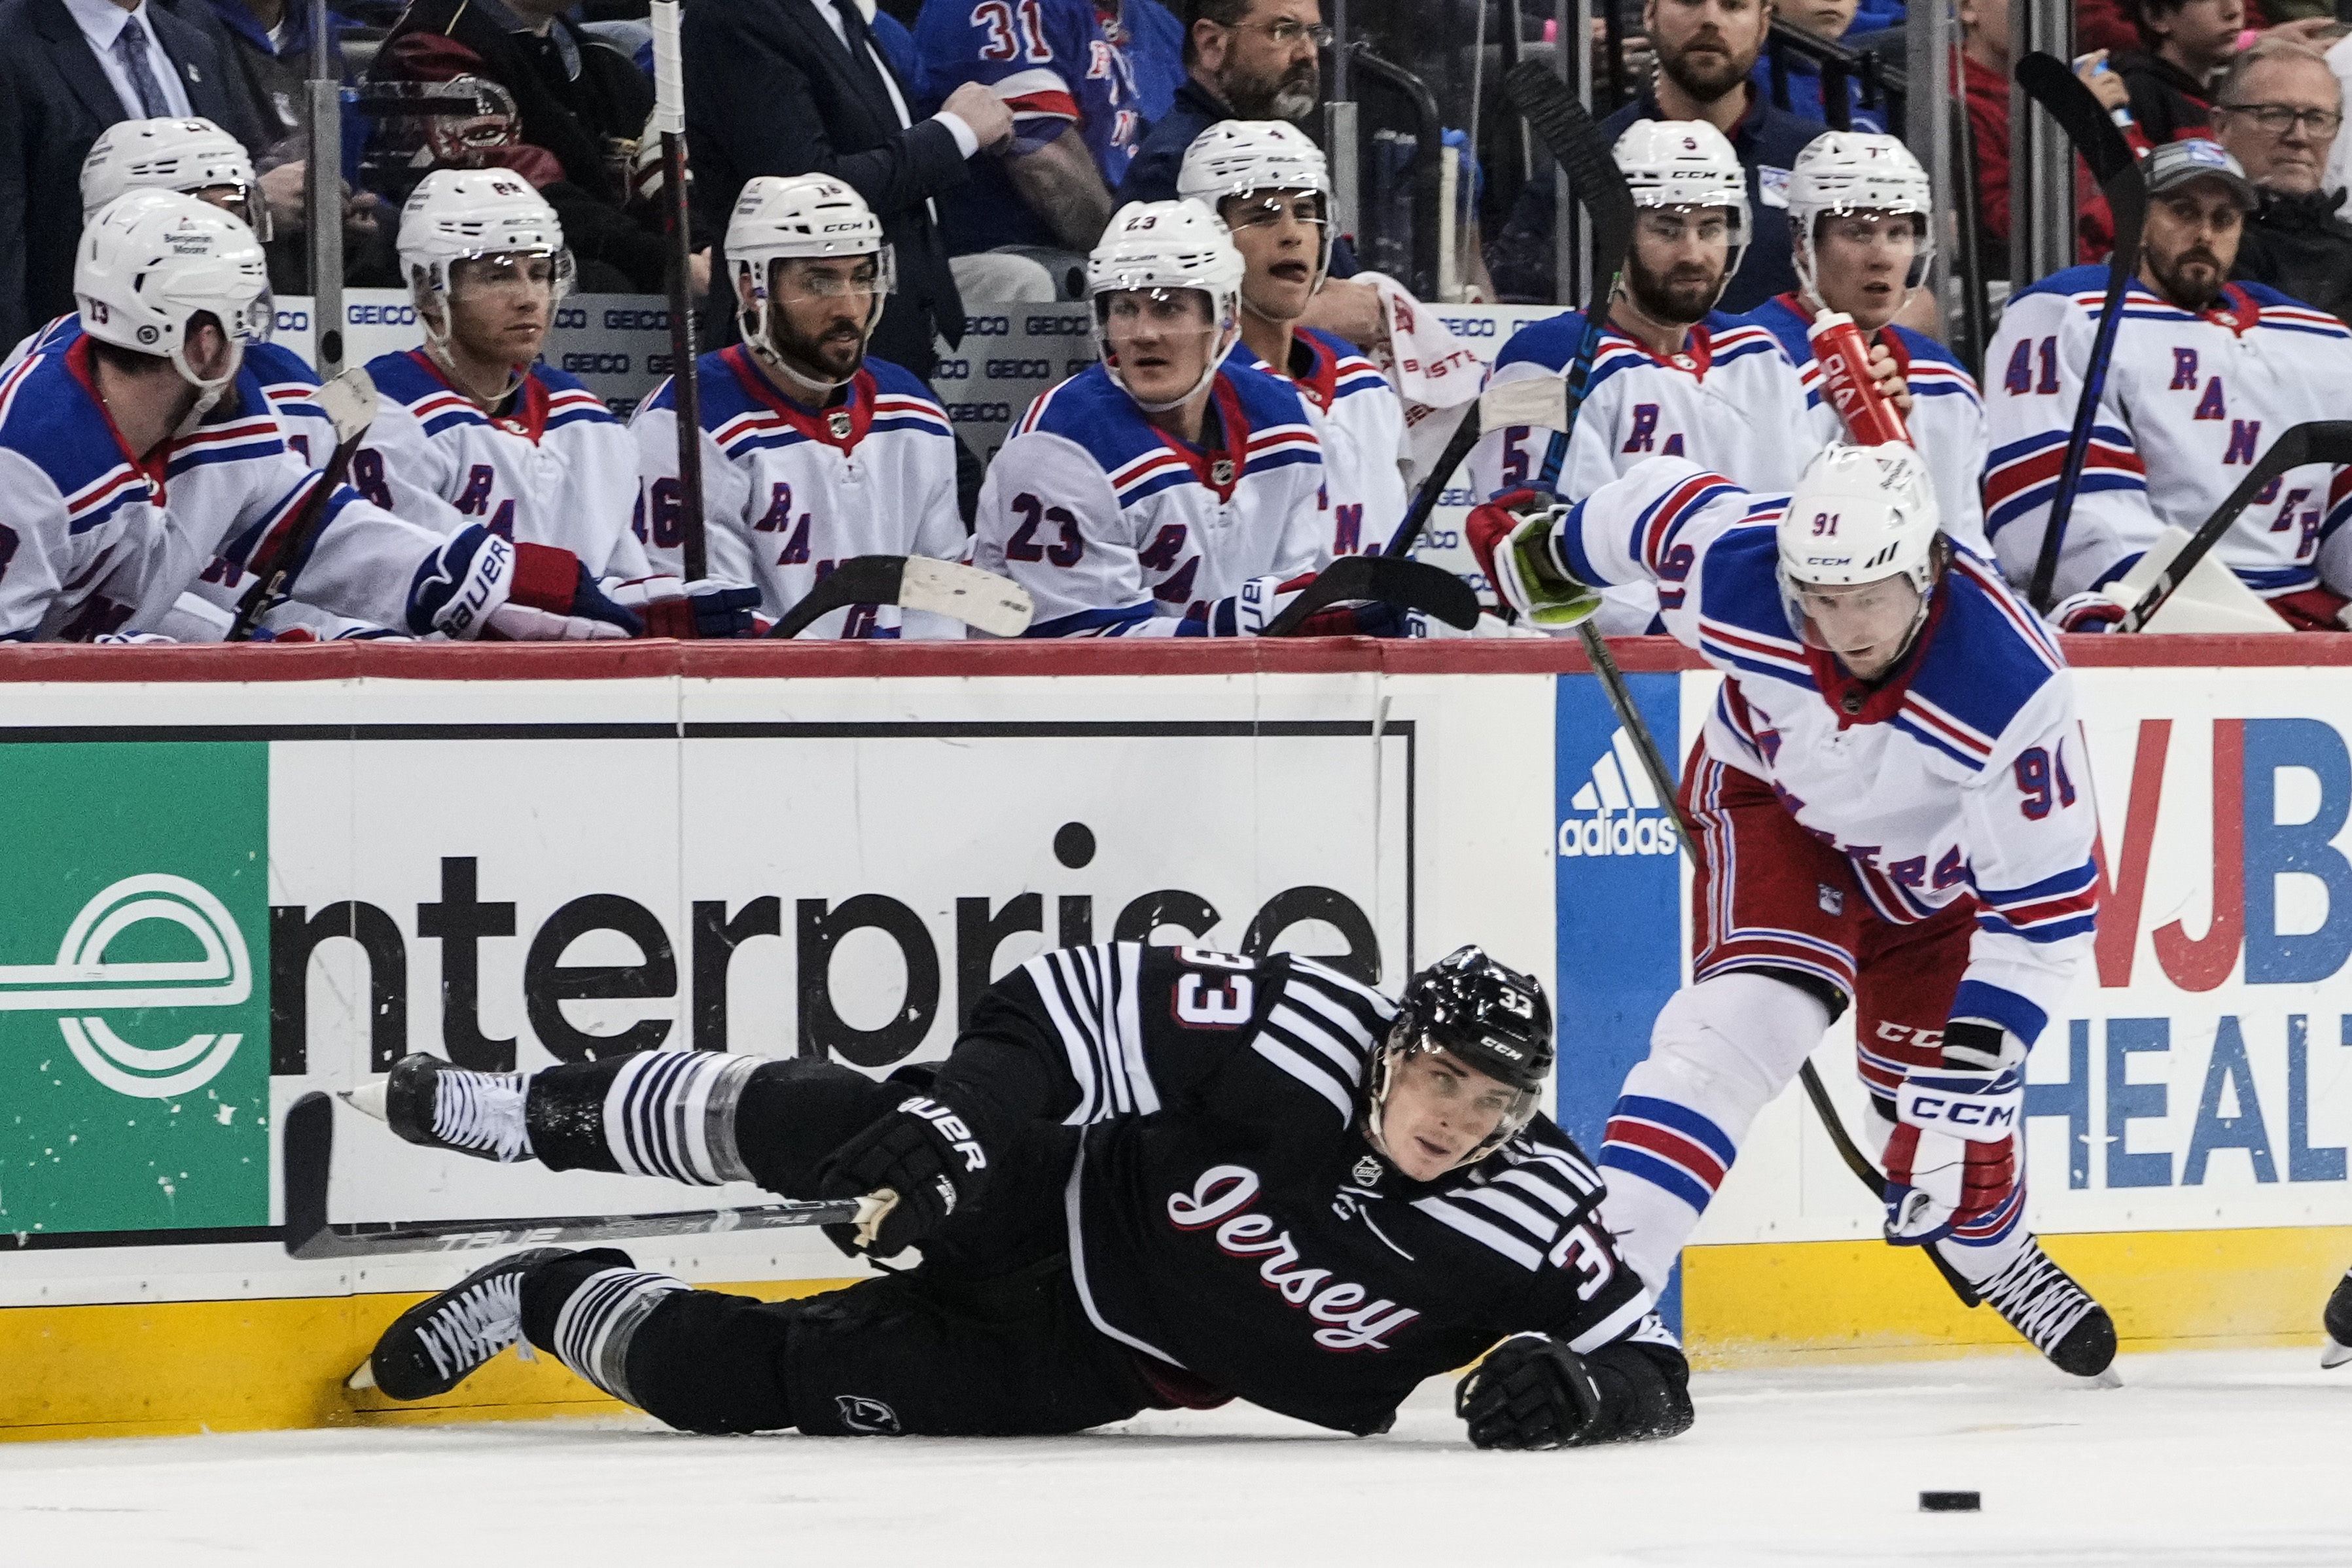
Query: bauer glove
x,y
1248,613
924,1152
480,585
1953,1155
1531,1391
1511,535
706,607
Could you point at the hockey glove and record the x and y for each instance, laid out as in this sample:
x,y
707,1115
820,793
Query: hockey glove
x,y
925,1152
1531,1391
1511,536
1248,613
1953,1156
480,585
2092,610
707,608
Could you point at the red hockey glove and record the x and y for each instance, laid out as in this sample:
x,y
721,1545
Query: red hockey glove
x,y
2093,610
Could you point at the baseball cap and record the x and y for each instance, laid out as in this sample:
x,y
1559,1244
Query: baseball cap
x,y
2176,164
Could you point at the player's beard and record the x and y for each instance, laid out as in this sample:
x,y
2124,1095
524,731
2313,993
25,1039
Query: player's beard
x,y
1291,96
1681,298
2191,292
1707,76
832,356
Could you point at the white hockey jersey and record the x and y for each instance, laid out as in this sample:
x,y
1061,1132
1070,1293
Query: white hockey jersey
x,y
1731,400
555,469
2190,402
1963,774
788,491
93,541
1360,421
1947,418
1117,529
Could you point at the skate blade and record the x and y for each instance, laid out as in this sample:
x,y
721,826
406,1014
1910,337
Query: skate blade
x,y
368,1100
2336,1355
2108,1378
364,1378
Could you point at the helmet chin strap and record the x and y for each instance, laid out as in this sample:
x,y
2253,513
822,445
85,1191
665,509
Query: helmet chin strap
x,y
1226,335
757,337
1808,288
436,342
208,392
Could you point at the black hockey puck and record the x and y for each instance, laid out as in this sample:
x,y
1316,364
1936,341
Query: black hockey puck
x,y
1950,1502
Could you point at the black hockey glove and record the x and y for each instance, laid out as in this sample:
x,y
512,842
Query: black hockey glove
x,y
925,1152
1531,1391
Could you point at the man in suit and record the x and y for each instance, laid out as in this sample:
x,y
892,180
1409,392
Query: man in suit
x,y
797,87
72,67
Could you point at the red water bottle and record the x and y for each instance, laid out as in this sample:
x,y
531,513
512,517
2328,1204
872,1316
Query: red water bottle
x,y
1843,354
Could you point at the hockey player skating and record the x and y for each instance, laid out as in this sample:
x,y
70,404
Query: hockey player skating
x,y
2204,375
1860,216
1892,813
134,456
812,451
1145,1178
1673,376
2337,1321
1273,188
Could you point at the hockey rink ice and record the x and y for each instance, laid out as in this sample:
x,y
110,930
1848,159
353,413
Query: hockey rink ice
x,y
2207,1458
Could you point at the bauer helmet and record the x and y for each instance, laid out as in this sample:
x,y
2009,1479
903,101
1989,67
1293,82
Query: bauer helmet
x,y
465,215
780,218
1236,158
1844,172
171,154
1860,514
152,261
1484,1016
1686,163
1160,248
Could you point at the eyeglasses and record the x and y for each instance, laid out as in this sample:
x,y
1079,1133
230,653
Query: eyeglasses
x,y
1286,34
2275,118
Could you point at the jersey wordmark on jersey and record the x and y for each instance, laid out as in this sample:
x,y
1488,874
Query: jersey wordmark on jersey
x,y
1360,421
1117,529
2192,401
790,491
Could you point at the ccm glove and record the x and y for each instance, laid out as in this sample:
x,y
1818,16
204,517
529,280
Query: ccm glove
x,y
1531,1391
923,1151
1953,1156
1248,613
480,585
2092,610
706,607
1511,536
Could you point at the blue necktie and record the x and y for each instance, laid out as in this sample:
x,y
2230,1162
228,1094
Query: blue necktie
x,y
130,49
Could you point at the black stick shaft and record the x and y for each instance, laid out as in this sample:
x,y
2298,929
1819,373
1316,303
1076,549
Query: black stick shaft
x,y
685,393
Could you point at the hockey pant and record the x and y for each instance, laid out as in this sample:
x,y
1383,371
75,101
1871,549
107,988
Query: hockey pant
x,y
1783,939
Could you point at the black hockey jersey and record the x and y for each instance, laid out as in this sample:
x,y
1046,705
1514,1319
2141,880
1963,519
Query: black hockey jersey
x,y
1227,1217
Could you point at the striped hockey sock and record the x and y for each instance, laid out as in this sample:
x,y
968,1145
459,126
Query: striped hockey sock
x,y
672,1113
599,1318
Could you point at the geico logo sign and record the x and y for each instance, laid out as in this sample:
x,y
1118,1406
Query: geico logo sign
x,y
379,315
1057,326
987,326
570,319
619,321
1073,366
658,364
82,981
597,364
952,370
981,413
293,321
1001,369
1468,326
1623,813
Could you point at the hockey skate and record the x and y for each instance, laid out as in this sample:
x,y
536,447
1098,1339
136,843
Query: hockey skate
x,y
2056,1316
436,1345
2338,1321
430,1102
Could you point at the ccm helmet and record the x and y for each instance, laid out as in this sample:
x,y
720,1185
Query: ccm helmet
x,y
172,154
1160,248
1484,1014
1860,514
1237,158
152,261
1855,172
779,217
1686,163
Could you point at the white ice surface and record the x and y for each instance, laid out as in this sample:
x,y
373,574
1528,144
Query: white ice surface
x,y
2205,1459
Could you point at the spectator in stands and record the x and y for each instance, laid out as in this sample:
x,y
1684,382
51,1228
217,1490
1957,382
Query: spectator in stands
x,y
1828,20
1984,61
1706,50
2183,44
2277,110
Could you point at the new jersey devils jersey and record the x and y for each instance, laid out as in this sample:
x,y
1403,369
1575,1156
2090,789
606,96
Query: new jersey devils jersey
x,y
2190,402
1117,529
1360,421
1226,1214
1731,400
1961,775
788,491
1947,419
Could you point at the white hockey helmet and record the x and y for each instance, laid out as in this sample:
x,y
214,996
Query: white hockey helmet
x,y
465,215
1686,163
779,217
1162,247
1858,171
171,154
152,261
1238,157
1859,514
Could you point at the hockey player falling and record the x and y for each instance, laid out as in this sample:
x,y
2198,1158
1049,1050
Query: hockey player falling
x,y
1892,814
1145,1178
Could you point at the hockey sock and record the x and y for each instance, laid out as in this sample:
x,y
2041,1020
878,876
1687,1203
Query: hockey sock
x,y
583,1309
652,1113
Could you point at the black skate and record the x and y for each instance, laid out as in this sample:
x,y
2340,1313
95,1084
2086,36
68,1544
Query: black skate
x,y
426,1100
436,1345
2057,1316
2338,1319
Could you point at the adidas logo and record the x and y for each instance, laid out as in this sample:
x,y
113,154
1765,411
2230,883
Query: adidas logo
x,y
1622,812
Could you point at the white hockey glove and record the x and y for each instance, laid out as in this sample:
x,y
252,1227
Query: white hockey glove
x,y
1953,1155
1511,535
480,585
1261,600
2092,610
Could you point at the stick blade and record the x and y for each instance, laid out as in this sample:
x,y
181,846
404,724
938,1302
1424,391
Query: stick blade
x,y
1418,585
349,402
306,1152
1538,400
860,580
2052,83
1569,134
982,600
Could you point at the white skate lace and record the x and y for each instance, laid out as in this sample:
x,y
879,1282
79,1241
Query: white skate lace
x,y
2038,1299
481,1111
473,1327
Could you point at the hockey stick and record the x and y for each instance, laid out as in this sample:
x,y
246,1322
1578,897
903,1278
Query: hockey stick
x,y
993,605
1382,579
307,1155
2052,84
349,402
2317,441
686,390
1424,499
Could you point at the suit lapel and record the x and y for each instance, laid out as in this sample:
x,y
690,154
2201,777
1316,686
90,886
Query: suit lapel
x,y
182,42
69,53
863,74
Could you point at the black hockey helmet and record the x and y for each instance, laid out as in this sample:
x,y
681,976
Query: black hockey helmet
x,y
1487,1015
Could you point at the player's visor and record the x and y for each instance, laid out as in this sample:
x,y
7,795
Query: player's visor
x,y
513,272
1853,617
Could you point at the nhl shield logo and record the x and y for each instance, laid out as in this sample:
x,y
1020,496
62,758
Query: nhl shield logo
x,y
865,1417
1221,472
1367,1172
837,421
